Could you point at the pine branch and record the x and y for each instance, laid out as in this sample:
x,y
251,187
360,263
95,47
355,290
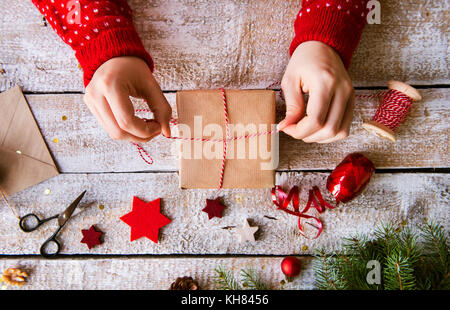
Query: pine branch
x,y
438,260
323,278
225,280
251,280
398,273
405,263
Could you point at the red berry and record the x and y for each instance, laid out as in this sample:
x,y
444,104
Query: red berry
x,y
290,266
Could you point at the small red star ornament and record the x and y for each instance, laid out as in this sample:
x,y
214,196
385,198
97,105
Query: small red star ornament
x,y
145,219
214,208
91,237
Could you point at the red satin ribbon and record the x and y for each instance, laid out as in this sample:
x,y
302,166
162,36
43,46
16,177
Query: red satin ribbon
x,y
282,201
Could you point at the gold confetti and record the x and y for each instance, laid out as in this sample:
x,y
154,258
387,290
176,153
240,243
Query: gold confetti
x,y
19,152
304,248
56,140
64,118
47,192
101,207
79,66
403,223
238,198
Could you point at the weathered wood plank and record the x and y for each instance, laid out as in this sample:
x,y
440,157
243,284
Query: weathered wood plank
x,y
239,44
84,147
413,198
149,273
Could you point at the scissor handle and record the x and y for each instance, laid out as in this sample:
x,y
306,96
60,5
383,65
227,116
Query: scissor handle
x,y
52,240
24,222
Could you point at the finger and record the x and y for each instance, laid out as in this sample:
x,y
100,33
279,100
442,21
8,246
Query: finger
x,y
161,109
295,104
334,118
346,123
123,112
101,110
316,113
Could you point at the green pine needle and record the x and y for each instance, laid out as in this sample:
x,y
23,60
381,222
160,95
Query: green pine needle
x,y
225,280
405,262
251,280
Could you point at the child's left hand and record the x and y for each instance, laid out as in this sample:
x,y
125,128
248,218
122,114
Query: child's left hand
x,y
317,69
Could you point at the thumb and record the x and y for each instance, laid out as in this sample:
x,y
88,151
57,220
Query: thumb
x,y
295,107
161,109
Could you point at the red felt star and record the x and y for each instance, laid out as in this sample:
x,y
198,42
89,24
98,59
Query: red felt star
x,y
145,219
91,237
214,208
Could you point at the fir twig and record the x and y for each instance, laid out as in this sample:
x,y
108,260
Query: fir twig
x,y
251,280
405,263
225,280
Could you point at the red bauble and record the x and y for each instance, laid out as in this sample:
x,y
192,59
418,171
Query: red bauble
x,y
350,177
290,266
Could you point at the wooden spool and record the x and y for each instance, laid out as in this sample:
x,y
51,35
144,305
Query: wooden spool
x,y
381,130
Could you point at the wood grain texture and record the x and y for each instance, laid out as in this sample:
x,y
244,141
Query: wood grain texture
x,y
85,147
414,198
148,273
233,44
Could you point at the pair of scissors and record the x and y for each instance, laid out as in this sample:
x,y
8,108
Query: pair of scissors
x,y
31,222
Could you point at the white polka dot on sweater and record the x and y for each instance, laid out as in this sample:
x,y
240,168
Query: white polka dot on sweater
x,y
95,10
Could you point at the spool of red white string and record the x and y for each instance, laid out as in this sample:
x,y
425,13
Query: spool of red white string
x,y
393,109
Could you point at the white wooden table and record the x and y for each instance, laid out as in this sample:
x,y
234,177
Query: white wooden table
x,y
211,44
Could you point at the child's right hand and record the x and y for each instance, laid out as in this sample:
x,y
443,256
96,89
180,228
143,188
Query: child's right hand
x,y
107,97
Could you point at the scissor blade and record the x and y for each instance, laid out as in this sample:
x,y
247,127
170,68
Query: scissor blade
x,y
64,217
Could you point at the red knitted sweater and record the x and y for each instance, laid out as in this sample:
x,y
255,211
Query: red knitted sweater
x,y
100,30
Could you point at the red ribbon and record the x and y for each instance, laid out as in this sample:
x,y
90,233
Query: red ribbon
x,y
282,201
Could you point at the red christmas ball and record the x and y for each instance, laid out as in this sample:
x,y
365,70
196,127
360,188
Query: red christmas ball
x,y
350,177
290,266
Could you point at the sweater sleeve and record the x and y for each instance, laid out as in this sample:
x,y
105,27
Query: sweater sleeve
x,y
96,30
338,23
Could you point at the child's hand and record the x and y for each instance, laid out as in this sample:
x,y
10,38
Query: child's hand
x,y
315,68
107,96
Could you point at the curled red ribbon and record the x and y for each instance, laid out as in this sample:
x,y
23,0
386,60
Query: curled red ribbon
x,y
282,201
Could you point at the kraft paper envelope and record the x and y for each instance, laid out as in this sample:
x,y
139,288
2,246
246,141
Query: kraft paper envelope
x,y
24,157
242,169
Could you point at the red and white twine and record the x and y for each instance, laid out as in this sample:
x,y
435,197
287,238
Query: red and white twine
x,y
393,109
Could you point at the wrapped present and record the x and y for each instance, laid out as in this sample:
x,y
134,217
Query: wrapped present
x,y
240,153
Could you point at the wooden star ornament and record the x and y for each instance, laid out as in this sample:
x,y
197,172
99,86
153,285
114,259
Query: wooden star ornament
x,y
91,237
214,208
145,219
246,232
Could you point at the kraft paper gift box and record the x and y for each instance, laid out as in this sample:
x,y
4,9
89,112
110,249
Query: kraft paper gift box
x,y
250,161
